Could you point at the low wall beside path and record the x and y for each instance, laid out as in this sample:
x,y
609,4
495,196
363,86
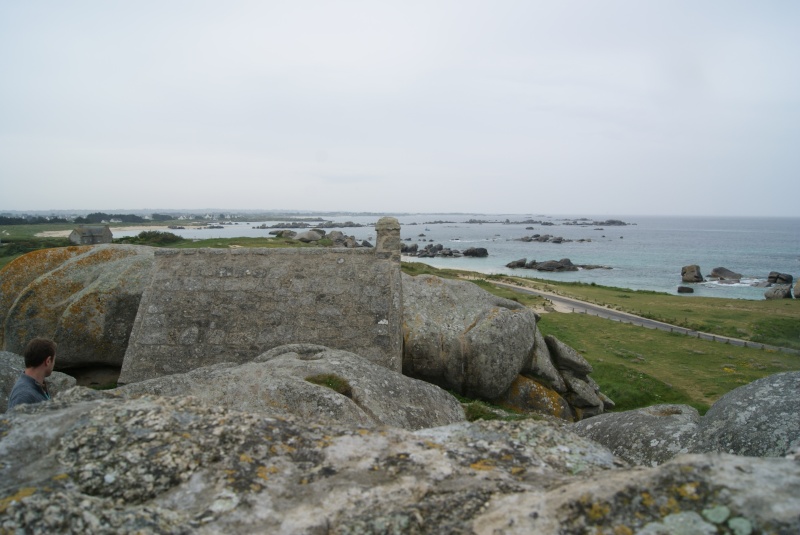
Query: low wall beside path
x,y
205,306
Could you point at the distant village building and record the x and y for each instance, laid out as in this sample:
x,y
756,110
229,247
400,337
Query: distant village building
x,y
91,235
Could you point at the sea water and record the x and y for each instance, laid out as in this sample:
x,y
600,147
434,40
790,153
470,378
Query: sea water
x,y
645,254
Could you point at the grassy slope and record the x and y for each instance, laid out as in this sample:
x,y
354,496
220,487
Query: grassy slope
x,y
637,367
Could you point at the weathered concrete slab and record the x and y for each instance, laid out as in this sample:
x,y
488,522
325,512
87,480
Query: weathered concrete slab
x,y
205,306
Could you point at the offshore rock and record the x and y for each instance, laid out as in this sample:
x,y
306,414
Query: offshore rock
x,y
776,277
281,382
92,462
722,273
461,337
648,436
691,273
12,365
760,419
85,298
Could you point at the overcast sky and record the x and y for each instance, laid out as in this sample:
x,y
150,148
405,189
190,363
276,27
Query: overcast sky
x,y
547,107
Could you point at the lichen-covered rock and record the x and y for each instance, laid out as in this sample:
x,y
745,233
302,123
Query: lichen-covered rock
x,y
286,381
12,365
21,272
85,298
461,337
648,436
93,462
760,419
529,395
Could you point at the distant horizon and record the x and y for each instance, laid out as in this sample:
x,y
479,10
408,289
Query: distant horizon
x,y
296,212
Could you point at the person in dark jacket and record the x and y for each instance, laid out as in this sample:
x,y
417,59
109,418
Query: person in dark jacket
x,y
40,357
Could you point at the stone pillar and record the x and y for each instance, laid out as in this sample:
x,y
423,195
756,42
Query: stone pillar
x,y
388,239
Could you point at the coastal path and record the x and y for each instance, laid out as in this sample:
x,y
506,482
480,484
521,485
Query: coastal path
x,y
568,304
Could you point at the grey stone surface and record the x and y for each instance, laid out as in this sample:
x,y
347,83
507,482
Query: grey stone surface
x,y
781,291
760,419
275,383
12,365
566,358
85,298
691,273
93,462
648,436
540,364
724,274
463,338
205,306
776,277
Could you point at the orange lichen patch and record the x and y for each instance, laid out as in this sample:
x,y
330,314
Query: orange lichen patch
x,y
17,275
526,394
483,464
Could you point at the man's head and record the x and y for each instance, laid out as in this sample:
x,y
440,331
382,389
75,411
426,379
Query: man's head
x,y
38,351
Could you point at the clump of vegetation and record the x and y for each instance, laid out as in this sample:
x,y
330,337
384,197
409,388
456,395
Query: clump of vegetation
x,y
332,381
155,238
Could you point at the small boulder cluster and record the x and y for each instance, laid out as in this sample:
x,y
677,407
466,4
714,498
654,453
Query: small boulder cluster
x,y
547,238
565,264
779,285
440,251
313,235
467,340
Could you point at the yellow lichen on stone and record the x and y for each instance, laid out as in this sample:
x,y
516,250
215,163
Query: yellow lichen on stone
x,y
688,490
647,499
670,507
19,495
598,511
623,530
245,458
483,464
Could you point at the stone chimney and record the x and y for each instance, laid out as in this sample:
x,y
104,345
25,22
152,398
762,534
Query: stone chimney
x,y
388,239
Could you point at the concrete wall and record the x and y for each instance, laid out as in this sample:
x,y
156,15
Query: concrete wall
x,y
205,306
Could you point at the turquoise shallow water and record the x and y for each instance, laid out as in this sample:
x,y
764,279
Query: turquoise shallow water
x,y
646,255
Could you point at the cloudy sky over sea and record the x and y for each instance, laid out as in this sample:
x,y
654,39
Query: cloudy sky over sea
x,y
584,106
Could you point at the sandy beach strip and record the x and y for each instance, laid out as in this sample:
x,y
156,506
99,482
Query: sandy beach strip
x,y
66,233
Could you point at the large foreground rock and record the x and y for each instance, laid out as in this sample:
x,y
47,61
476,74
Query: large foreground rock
x,y
648,436
12,365
463,338
277,382
96,463
85,298
760,419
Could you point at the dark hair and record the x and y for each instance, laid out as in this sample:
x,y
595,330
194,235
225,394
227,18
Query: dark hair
x,y
37,351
